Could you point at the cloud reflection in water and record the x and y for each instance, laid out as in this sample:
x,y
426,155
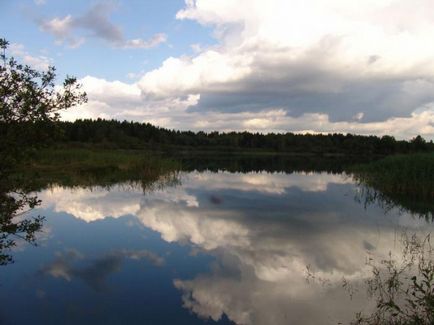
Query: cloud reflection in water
x,y
264,230
96,271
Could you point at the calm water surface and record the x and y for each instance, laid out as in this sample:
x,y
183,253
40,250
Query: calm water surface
x,y
215,247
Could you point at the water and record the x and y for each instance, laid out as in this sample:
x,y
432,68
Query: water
x,y
214,247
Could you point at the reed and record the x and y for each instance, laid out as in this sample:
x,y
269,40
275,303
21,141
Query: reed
x,y
409,175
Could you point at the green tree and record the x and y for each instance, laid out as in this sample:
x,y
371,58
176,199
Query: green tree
x,y
30,95
419,143
30,102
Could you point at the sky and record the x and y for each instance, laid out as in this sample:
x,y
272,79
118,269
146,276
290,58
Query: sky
x,y
364,67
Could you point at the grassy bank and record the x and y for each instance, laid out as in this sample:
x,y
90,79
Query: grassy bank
x,y
405,180
411,175
88,167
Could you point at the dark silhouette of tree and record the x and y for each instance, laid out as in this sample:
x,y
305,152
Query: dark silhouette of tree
x,y
134,135
419,143
29,104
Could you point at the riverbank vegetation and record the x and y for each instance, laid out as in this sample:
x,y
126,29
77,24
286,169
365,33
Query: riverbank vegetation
x,y
401,180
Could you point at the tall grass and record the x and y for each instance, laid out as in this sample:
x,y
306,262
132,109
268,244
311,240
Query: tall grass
x,y
405,180
411,175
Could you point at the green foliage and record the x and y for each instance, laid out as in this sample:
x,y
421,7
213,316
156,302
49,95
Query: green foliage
x,y
29,104
405,181
412,175
30,95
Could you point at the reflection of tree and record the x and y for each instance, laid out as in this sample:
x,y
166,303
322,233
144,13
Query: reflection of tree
x,y
270,163
399,285
369,195
403,287
29,102
12,223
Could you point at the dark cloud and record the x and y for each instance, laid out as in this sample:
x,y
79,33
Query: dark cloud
x,y
95,23
307,87
96,272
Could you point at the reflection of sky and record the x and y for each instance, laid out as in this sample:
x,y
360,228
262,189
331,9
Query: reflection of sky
x,y
230,244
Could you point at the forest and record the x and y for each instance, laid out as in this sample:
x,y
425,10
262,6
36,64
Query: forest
x,y
113,134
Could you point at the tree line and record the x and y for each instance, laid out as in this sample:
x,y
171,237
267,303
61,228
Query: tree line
x,y
134,135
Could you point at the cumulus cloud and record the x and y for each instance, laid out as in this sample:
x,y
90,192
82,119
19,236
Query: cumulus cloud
x,y
119,100
307,57
95,23
301,66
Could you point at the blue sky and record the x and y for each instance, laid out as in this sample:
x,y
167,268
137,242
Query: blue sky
x,y
258,65
21,22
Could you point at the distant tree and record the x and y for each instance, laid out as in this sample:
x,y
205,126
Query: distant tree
x,y
387,144
419,143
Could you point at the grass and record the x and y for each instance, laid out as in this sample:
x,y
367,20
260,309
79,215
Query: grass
x,y
89,167
405,180
411,175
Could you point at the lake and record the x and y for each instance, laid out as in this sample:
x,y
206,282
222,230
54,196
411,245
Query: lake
x,y
211,247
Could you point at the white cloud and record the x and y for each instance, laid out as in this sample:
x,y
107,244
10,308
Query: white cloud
x,y
39,62
93,204
154,41
302,66
272,183
119,100
60,27
114,99
125,199
210,67
260,273
336,58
